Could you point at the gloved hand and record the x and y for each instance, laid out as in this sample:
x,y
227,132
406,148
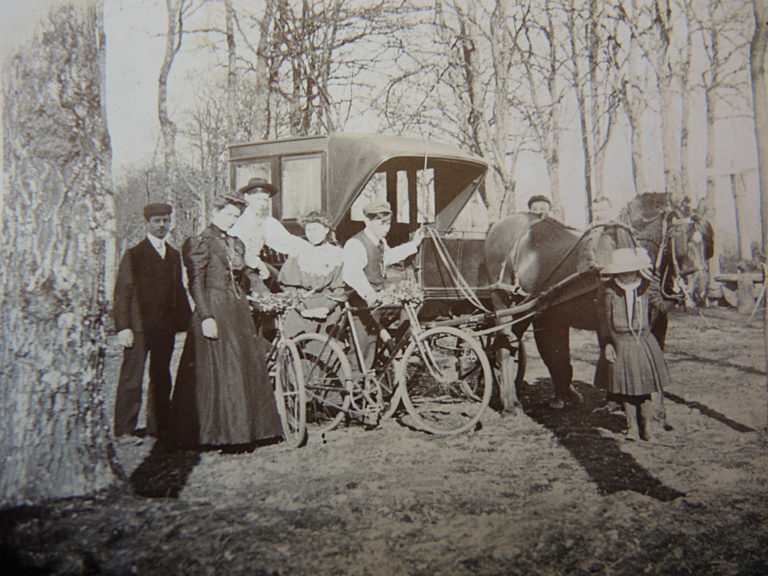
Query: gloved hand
x,y
262,269
319,313
125,337
210,330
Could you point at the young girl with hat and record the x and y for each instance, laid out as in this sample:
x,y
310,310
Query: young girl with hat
x,y
628,302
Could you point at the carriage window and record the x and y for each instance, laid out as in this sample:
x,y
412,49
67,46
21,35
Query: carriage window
x,y
425,192
244,172
301,181
473,217
403,206
375,189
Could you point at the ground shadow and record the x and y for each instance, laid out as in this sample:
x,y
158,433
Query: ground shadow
x,y
682,356
578,430
711,413
163,473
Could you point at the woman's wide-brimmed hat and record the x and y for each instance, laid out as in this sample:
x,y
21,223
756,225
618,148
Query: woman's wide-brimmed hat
x,y
628,260
258,185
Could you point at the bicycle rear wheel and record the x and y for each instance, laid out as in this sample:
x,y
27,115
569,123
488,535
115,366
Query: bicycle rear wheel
x,y
328,380
290,394
446,381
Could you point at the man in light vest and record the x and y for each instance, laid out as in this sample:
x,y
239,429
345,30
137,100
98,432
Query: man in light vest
x,y
365,258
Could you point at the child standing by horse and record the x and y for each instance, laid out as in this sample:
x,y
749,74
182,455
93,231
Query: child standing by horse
x,y
628,302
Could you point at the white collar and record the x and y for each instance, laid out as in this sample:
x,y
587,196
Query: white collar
x,y
372,237
158,244
627,287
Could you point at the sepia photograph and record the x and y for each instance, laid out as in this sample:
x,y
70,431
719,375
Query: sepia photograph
x,y
384,287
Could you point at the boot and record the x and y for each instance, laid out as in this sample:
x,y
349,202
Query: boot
x,y
630,410
645,415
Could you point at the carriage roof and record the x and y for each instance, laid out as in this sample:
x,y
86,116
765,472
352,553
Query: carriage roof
x,y
351,160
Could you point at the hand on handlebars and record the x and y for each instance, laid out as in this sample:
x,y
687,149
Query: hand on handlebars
x,y
418,236
262,269
372,300
319,313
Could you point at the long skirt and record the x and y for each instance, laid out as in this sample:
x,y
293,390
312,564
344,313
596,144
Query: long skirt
x,y
640,368
223,395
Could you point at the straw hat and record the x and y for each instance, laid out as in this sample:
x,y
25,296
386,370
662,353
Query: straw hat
x,y
628,260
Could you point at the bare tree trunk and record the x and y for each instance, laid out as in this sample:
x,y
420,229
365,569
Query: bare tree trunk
x,y
757,52
57,213
231,71
581,101
737,213
173,36
687,109
505,159
264,75
670,143
709,202
634,104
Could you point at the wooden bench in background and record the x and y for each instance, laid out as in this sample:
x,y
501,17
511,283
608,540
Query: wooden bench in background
x,y
741,289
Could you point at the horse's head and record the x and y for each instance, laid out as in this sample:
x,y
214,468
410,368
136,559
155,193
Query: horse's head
x,y
689,246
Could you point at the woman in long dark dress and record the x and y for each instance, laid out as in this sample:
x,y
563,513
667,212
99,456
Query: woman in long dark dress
x,y
223,395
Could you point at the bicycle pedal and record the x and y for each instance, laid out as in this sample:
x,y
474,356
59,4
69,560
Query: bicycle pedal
x,y
371,416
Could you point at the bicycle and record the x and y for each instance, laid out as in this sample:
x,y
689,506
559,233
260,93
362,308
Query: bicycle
x,y
440,374
284,366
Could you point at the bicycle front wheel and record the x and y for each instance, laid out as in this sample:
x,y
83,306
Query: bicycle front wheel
x,y
446,381
328,380
290,394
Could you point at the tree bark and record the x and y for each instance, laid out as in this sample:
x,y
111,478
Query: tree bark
x,y
173,37
55,238
757,54
670,143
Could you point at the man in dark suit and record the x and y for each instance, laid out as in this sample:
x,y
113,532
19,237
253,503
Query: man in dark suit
x,y
151,305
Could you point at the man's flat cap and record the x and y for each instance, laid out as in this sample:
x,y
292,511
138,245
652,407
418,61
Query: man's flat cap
x,y
377,207
157,209
538,198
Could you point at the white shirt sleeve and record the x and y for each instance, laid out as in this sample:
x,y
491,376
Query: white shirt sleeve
x,y
244,228
399,252
280,240
352,272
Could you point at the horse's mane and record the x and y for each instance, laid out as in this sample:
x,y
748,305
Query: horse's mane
x,y
548,220
644,208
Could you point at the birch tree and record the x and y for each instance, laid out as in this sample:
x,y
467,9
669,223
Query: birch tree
x,y
56,230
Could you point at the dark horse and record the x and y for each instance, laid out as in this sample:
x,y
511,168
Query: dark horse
x,y
539,260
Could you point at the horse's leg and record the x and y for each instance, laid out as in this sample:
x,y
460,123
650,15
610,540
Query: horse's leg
x,y
553,342
659,329
507,387
506,376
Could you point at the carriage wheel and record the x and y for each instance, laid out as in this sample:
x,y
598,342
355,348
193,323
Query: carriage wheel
x,y
290,394
327,380
446,381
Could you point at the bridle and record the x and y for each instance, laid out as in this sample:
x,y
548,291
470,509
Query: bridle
x,y
681,290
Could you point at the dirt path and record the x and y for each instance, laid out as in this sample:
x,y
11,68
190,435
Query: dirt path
x,y
546,492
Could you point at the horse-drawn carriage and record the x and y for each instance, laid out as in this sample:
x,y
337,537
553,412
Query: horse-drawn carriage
x,y
481,291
